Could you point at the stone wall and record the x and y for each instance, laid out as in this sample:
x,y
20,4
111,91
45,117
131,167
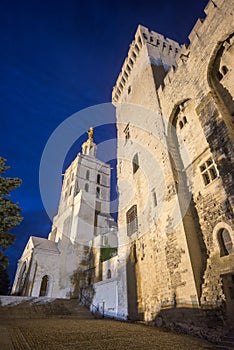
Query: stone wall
x,y
179,123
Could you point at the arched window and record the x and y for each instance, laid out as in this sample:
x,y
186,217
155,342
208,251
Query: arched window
x,y
181,124
108,273
185,120
98,192
87,174
225,242
135,163
70,191
86,187
132,221
44,286
98,178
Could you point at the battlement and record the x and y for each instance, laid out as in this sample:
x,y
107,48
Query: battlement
x,y
165,47
143,37
196,33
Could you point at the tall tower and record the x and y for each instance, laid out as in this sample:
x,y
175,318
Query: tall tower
x,y
150,220
84,197
83,213
56,266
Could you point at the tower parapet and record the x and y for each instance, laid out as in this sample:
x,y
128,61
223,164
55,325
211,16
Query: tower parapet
x,y
160,50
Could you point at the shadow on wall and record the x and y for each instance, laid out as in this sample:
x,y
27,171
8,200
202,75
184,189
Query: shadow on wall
x,y
133,310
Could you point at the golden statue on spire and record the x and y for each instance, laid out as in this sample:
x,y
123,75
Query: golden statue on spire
x,y
90,134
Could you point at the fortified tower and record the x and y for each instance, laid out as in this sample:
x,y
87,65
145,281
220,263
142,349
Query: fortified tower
x,y
151,221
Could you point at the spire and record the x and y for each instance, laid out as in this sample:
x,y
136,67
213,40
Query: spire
x,y
89,147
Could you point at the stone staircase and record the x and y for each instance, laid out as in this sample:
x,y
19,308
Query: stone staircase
x,y
41,307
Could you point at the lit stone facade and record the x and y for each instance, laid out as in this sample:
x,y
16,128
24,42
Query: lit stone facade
x,y
175,110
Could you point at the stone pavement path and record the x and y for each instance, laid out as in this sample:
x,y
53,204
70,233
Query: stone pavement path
x,y
69,333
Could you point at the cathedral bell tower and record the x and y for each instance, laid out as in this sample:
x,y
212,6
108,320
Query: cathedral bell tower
x,y
85,197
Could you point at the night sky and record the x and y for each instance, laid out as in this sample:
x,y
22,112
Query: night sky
x,y
58,58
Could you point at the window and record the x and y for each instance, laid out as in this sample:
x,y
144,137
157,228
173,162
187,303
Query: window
x,y
127,133
135,163
132,222
98,192
182,122
98,178
208,171
185,120
225,242
86,187
154,197
224,70
87,174
70,191
108,273
129,90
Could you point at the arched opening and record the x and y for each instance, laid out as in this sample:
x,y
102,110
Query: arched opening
x,y
185,120
181,124
44,286
108,273
86,187
98,178
228,289
225,242
87,174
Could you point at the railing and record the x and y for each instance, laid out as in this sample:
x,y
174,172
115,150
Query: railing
x,y
87,302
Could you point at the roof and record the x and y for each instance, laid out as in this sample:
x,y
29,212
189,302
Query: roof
x,y
43,243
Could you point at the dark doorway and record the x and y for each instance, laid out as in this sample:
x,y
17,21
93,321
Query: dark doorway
x,y
228,288
44,286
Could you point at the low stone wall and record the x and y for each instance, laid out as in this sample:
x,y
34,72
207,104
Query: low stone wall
x,y
205,323
6,300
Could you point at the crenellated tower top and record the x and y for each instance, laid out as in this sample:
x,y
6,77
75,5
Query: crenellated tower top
x,y
158,50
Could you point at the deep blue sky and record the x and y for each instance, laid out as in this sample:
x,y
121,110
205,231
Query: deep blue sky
x,y
59,57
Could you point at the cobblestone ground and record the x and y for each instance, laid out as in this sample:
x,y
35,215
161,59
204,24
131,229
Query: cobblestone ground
x,y
64,333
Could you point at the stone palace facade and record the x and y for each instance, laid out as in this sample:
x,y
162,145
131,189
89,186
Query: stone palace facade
x,y
175,122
